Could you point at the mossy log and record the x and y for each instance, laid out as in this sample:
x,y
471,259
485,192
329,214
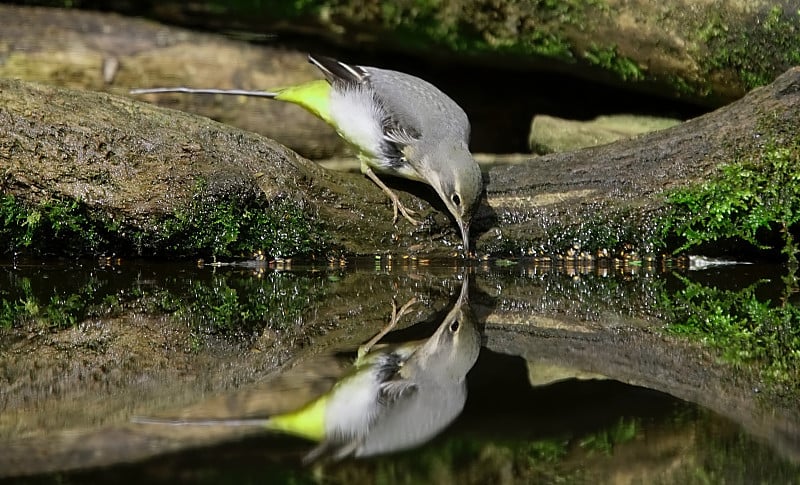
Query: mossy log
x,y
134,167
710,52
618,190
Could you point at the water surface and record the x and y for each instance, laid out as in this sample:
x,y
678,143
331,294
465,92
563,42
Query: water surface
x,y
577,380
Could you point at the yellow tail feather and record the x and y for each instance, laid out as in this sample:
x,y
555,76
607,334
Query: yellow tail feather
x,y
313,96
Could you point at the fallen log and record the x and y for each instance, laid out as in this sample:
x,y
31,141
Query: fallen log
x,y
142,179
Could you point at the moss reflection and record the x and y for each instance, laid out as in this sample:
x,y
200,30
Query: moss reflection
x,y
232,304
744,328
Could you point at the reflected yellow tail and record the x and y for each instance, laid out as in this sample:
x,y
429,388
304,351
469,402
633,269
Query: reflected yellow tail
x,y
307,422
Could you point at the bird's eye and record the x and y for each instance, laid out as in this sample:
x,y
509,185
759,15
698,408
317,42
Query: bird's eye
x,y
454,326
456,199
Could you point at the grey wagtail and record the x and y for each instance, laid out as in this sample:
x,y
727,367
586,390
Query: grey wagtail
x,y
398,124
394,397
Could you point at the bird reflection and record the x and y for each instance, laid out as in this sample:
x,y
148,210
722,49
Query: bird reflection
x,y
394,397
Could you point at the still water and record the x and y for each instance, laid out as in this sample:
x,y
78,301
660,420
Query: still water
x,y
549,375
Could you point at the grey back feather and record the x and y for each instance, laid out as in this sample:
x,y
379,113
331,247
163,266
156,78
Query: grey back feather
x,y
418,106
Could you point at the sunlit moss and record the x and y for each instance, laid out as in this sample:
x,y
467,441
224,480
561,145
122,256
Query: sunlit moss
x,y
52,226
751,198
238,225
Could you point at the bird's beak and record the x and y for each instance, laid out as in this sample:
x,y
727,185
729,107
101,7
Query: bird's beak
x,y
464,226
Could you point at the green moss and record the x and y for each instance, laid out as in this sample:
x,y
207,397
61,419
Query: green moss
x,y
52,226
609,59
236,224
228,304
758,52
749,199
226,225
743,328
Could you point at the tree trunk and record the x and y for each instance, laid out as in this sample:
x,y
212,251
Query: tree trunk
x,y
619,188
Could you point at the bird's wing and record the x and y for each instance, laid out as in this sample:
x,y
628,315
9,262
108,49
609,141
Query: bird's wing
x,y
339,447
418,107
398,134
398,131
397,143
391,387
396,389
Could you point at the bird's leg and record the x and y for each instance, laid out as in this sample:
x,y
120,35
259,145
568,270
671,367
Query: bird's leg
x,y
396,316
407,213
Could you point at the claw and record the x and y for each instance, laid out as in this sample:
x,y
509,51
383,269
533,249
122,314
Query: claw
x,y
398,206
396,316
407,213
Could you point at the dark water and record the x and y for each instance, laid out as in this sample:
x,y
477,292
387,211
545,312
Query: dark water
x,y
580,377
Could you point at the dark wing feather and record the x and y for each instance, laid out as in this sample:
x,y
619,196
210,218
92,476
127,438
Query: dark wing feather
x,y
337,72
395,140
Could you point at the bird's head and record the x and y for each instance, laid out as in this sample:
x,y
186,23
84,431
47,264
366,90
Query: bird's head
x,y
456,177
452,350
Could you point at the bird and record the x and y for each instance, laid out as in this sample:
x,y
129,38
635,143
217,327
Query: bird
x,y
394,397
398,125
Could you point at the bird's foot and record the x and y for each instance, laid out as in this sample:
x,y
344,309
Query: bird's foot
x,y
396,316
398,206
407,213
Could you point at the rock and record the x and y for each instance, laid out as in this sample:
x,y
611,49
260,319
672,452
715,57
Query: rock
x,y
550,134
